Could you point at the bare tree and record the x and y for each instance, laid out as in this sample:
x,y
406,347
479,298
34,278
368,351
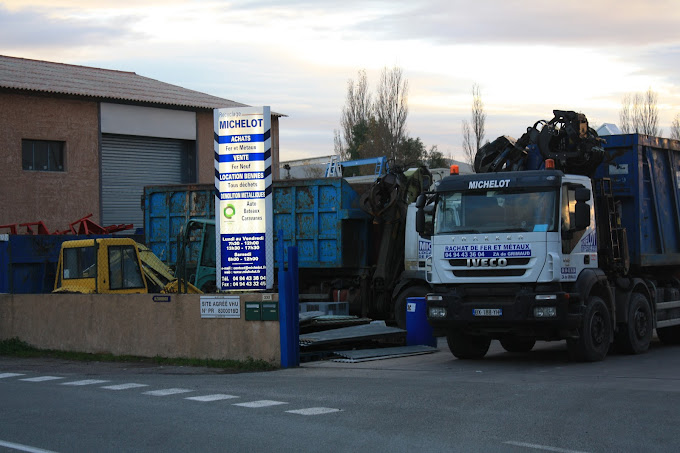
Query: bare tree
x,y
357,111
391,110
473,136
650,114
339,150
468,148
311,171
626,114
478,116
640,113
675,127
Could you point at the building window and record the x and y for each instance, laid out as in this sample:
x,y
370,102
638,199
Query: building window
x,y
42,155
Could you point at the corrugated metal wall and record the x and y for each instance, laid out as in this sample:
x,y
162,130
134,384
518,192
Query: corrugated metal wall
x,y
129,163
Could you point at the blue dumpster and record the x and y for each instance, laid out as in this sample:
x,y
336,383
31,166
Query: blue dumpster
x,y
418,330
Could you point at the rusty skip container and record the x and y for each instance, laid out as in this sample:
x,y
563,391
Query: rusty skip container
x,y
166,209
323,219
320,216
645,178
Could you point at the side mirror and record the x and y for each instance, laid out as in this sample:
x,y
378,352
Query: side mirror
x,y
420,201
581,216
420,220
582,209
582,194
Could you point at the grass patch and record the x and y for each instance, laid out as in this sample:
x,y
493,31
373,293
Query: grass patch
x,y
17,348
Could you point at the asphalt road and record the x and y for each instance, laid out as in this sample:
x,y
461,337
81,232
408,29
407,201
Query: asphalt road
x,y
505,403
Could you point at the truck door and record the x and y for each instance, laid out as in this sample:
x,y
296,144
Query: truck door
x,y
579,247
124,273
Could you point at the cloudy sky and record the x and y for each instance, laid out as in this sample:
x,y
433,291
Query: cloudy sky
x,y
528,57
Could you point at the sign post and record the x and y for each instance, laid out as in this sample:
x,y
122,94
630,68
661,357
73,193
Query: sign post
x,y
243,183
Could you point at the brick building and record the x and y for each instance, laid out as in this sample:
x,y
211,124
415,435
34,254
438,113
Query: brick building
x,y
76,140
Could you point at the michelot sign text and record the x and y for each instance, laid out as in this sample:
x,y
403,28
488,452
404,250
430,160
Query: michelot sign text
x,y
243,206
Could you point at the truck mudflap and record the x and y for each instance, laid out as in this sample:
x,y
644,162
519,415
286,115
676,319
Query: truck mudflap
x,y
501,311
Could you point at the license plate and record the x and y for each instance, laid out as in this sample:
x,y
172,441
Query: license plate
x,y
487,312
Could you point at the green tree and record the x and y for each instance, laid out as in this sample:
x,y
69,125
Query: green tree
x,y
436,159
375,125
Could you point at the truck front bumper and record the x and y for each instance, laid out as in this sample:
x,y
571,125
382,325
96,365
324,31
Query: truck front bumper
x,y
499,311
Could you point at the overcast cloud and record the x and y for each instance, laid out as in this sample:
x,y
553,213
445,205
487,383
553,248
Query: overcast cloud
x,y
529,57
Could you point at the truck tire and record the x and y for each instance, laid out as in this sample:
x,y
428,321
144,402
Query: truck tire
x,y
669,335
400,302
467,347
634,337
594,333
518,344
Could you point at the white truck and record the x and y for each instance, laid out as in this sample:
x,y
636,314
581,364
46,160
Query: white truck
x,y
524,255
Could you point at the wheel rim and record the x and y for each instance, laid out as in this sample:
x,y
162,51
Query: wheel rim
x,y
641,322
597,329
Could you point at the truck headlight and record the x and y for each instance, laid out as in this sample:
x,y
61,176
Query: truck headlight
x,y
436,312
545,312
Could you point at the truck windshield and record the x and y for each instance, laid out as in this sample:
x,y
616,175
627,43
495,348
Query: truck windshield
x,y
496,211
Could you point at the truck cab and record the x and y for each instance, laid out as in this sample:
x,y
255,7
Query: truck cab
x,y
113,266
507,250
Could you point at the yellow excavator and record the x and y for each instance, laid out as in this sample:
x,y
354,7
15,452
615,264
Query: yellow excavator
x,y
114,266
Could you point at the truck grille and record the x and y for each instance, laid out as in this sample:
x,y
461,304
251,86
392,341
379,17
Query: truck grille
x,y
495,272
462,262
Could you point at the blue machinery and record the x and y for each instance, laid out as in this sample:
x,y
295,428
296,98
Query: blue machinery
x,y
334,167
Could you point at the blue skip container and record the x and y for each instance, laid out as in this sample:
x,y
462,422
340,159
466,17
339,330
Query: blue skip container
x,y
418,330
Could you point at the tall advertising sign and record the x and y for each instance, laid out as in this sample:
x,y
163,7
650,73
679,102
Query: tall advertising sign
x,y
243,183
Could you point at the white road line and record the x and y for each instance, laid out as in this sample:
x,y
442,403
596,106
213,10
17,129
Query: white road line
x,y
124,386
542,447
314,411
85,382
21,447
217,397
166,392
41,379
6,375
261,403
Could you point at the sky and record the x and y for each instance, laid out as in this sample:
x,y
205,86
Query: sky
x,y
527,57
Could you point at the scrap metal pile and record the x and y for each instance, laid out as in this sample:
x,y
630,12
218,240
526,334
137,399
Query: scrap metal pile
x,y
81,226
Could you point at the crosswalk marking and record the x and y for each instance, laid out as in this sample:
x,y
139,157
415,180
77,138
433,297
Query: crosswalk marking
x,y
260,403
130,385
84,382
41,379
217,397
314,411
166,392
175,391
8,375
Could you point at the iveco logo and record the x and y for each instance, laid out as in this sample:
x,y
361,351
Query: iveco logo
x,y
487,262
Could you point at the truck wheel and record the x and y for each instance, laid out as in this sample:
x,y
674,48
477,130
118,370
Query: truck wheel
x,y
669,335
515,344
635,336
595,333
400,303
467,347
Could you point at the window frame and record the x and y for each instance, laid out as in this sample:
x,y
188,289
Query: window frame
x,y
54,155
120,275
